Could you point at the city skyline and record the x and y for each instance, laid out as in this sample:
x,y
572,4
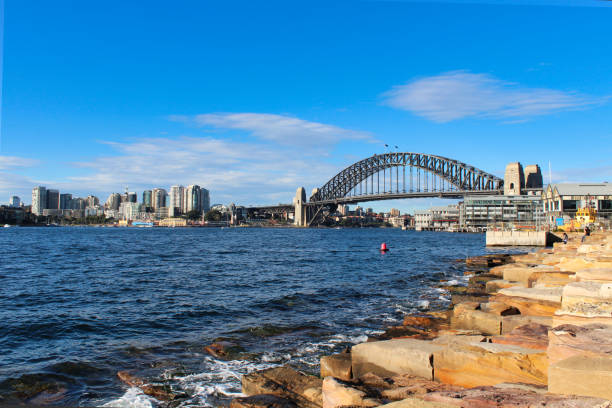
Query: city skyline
x,y
263,98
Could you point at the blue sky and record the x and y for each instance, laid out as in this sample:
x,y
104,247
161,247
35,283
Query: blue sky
x,y
254,99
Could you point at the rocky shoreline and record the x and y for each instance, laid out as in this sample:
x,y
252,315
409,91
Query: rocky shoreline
x,y
529,330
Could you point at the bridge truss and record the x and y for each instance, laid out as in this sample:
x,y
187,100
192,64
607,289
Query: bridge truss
x,y
405,175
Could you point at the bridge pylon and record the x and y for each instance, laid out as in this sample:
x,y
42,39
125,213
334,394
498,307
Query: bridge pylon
x,y
299,202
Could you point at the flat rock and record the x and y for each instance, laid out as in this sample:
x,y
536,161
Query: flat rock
x,y
537,294
416,403
407,386
587,299
601,275
476,320
337,365
493,397
285,382
532,335
494,286
580,375
570,340
262,401
393,357
531,301
479,364
510,323
522,273
340,394
550,279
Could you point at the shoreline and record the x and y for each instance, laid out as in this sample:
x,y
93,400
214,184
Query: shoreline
x,y
527,330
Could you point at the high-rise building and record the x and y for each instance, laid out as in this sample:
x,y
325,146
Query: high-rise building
x,y
78,203
176,199
192,199
147,198
158,198
205,200
65,201
15,201
113,201
53,199
92,201
132,197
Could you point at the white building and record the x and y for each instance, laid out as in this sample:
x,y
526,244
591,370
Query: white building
x,y
39,200
422,220
176,200
129,211
158,198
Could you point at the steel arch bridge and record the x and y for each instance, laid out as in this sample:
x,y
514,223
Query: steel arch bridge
x,y
405,175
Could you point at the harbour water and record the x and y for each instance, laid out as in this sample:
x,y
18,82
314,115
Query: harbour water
x,y
79,304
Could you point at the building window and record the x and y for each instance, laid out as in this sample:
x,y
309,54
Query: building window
x,y
570,205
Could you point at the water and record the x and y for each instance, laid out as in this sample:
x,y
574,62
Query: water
x,y
79,304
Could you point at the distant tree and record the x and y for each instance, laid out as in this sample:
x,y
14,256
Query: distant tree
x,y
193,215
213,215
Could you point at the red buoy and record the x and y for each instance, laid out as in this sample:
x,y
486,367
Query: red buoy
x,y
383,247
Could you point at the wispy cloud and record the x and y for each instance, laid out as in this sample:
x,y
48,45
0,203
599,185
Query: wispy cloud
x,y
461,94
281,129
9,162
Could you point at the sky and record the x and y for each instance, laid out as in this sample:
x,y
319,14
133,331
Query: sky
x,y
254,99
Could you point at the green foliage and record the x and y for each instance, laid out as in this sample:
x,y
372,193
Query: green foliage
x,y
193,215
213,215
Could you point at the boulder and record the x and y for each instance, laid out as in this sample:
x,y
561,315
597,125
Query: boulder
x,y
393,357
469,318
532,335
338,366
285,382
570,340
531,301
587,299
581,375
550,279
479,364
494,397
262,401
522,274
340,394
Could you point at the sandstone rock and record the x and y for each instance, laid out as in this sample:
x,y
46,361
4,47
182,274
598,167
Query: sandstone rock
x,y
581,375
262,401
587,299
498,308
469,297
393,357
532,335
416,403
406,386
523,273
477,320
449,339
493,397
339,394
550,279
531,301
489,364
495,285
303,390
159,391
600,275
224,350
570,340
510,323
561,318
338,366
130,379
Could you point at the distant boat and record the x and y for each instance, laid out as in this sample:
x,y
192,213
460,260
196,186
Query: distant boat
x,y
142,224
7,226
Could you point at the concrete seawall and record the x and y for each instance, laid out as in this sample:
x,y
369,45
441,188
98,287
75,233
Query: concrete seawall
x,y
520,238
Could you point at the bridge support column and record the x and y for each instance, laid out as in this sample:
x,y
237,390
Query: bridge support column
x,y
301,213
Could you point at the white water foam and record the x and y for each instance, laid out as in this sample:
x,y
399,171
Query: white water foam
x,y
133,398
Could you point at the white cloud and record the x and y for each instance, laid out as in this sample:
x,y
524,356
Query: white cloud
x,y
461,94
281,129
9,162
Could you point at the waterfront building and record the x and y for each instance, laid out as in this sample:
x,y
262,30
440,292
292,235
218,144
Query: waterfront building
x,y
158,198
147,199
65,199
205,200
15,202
92,201
173,222
176,200
113,201
53,199
445,218
11,215
479,212
422,220
161,213
129,211
110,213
94,211
563,200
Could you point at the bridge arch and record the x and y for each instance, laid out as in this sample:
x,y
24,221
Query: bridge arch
x,y
459,177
